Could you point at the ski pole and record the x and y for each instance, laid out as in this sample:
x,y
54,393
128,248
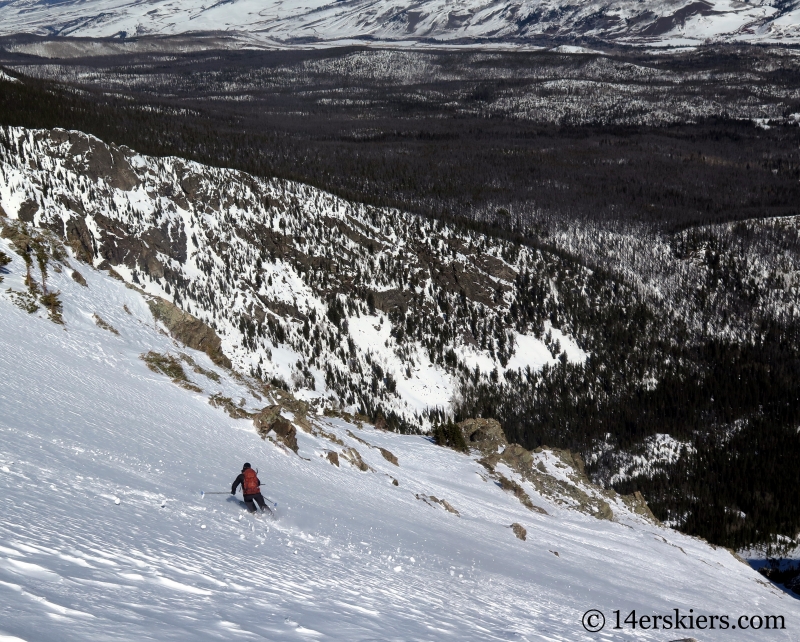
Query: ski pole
x,y
204,493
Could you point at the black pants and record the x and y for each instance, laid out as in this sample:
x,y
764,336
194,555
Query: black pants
x,y
251,500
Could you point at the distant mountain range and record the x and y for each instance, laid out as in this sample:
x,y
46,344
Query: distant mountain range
x,y
434,22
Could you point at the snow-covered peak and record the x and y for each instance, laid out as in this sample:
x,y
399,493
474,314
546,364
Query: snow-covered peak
x,y
433,22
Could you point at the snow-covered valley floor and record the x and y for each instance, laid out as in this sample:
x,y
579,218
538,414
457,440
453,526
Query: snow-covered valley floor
x,y
84,423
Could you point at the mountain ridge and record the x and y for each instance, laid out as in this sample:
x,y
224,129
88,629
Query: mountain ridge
x,y
363,299
433,22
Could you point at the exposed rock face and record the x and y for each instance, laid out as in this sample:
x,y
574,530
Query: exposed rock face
x,y
357,438
519,492
80,239
487,436
637,503
591,502
430,500
264,419
286,432
447,506
519,531
299,410
227,404
517,457
388,456
270,420
333,457
98,160
27,211
189,330
354,457
484,434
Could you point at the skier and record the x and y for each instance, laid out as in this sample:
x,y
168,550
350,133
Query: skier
x,y
250,489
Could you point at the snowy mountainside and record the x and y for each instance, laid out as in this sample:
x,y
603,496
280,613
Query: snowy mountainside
x,y
430,21
104,534
375,310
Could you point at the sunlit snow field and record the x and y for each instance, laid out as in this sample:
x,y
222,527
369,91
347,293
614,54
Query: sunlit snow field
x,y
84,423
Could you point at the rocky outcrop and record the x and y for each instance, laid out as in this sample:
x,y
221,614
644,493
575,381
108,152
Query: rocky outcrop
x,y
485,435
442,502
286,432
226,403
79,279
270,420
637,504
447,506
27,211
189,330
354,457
80,239
519,492
95,159
388,456
519,531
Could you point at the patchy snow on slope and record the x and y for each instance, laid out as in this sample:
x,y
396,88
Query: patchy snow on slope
x,y
285,273
658,449
574,49
420,386
104,534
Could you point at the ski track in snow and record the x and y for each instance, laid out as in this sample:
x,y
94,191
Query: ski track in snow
x,y
84,423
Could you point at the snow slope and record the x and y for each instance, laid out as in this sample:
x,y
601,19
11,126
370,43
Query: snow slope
x,y
304,22
104,535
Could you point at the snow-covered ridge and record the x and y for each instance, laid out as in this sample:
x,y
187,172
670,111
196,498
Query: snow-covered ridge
x,y
371,309
104,534
482,22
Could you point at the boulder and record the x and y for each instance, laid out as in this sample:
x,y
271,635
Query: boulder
x,y
270,420
517,457
354,457
485,435
519,531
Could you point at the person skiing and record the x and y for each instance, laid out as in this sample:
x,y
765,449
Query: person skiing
x,y
250,489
